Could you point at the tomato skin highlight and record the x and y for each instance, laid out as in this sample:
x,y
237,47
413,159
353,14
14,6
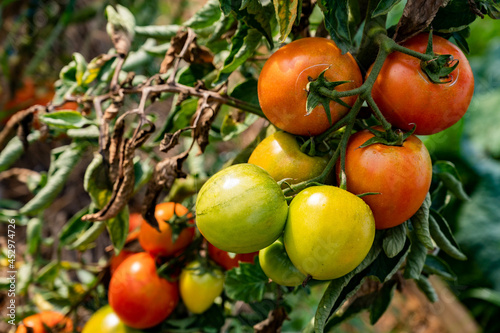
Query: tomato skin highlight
x,y
406,96
229,260
280,155
283,79
106,321
241,209
402,176
198,291
329,232
278,267
160,243
138,296
50,318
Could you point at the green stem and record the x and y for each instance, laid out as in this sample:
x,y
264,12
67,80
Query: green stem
x,y
393,46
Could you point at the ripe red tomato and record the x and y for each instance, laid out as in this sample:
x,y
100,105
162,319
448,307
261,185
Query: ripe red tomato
x,y
401,174
160,243
229,260
406,96
280,155
116,261
134,224
138,296
283,79
51,319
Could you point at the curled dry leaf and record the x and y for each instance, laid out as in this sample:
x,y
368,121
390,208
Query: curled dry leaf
x,y
273,322
202,121
417,16
21,121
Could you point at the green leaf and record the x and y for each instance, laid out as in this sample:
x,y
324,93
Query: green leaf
x,y
86,239
65,119
231,128
143,172
336,14
492,8
426,287
246,282
75,226
383,268
101,62
206,16
34,234
24,278
286,13
246,91
442,235
120,19
243,45
394,240
488,295
81,67
194,73
60,169
448,174
253,14
382,301
436,265
48,273
416,258
14,150
384,7
118,229
455,16
420,223
96,182
86,133
164,32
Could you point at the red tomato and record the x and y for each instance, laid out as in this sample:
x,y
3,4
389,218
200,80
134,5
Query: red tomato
x,y
138,296
229,260
282,84
117,260
160,243
401,174
134,226
406,96
51,319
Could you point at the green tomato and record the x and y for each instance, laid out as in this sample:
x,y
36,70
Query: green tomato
x,y
278,267
241,209
329,232
106,321
200,288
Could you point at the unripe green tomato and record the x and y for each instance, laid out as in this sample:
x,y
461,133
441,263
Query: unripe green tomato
x,y
278,267
280,155
241,209
329,232
106,321
200,288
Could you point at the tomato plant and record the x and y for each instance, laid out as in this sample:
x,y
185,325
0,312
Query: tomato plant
x,y
199,286
37,322
134,226
400,177
241,209
278,267
138,296
162,242
106,321
284,77
326,224
117,260
229,260
280,155
407,96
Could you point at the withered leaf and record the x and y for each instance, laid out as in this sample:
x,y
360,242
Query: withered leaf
x,y
20,122
273,322
202,121
417,15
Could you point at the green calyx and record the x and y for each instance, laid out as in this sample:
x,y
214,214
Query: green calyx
x,y
439,68
388,138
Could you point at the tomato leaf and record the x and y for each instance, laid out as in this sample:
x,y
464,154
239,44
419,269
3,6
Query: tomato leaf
x,y
231,127
118,229
206,16
246,282
383,268
384,7
96,182
286,13
442,235
420,222
336,14
382,301
416,258
33,234
246,91
455,16
85,240
73,228
14,150
394,240
65,119
448,174
426,287
162,32
436,265
48,273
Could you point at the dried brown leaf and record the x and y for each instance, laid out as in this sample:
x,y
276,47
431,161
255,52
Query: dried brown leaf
x,y
20,122
202,121
273,322
417,15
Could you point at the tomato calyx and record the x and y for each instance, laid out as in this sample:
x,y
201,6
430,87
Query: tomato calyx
x,y
178,223
315,97
388,138
440,67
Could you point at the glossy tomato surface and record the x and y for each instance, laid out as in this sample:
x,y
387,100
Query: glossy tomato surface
x,y
406,96
241,209
401,174
138,296
200,288
134,226
116,261
106,321
329,232
51,319
160,243
280,155
229,260
284,77
278,267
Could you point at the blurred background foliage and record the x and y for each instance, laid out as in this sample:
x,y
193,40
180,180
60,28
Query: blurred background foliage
x,y
37,38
